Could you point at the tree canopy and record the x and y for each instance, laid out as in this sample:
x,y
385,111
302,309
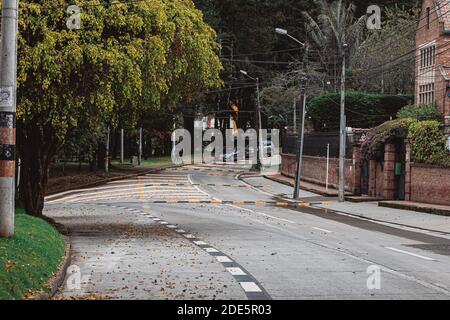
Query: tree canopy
x,y
125,59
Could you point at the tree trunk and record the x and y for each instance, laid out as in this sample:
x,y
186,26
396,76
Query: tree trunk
x,y
36,153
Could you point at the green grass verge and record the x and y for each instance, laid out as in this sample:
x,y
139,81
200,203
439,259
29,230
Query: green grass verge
x,y
30,258
157,162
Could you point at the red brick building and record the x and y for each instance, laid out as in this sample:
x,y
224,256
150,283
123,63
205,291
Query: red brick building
x,y
433,57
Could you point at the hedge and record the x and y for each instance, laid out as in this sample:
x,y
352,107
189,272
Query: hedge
x,y
427,140
363,110
428,143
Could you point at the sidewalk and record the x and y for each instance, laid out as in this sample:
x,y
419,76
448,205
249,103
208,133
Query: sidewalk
x,y
404,205
307,186
373,211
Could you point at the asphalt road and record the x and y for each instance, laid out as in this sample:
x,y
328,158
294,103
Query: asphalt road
x,y
254,251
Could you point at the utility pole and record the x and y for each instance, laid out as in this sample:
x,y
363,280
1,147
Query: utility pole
x,y
261,151
298,175
140,146
342,130
8,85
121,146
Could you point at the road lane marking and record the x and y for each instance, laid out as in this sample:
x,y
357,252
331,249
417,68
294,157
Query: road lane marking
x,y
211,250
189,236
323,230
263,214
250,287
223,259
200,243
411,254
236,271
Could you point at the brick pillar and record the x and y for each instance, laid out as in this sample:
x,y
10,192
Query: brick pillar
x,y
408,172
389,172
372,178
357,169
447,125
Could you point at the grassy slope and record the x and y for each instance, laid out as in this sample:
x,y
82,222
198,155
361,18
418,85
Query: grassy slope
x,y
156,162
29,259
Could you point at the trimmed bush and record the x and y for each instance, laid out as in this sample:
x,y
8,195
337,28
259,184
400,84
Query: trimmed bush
x,y
420,113
428,143
363,110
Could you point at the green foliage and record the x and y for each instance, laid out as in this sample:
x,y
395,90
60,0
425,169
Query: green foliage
x,y
421,112
398,32
30,258
363,110
127,58
428,143
372,147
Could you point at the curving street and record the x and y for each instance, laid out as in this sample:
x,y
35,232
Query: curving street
x,y
217,232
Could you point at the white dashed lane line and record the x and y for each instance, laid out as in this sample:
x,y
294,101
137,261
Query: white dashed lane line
x,y
223,259
410,254
323,230
250,287
236,271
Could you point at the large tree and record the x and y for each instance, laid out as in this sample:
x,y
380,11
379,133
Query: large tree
x,y
125,59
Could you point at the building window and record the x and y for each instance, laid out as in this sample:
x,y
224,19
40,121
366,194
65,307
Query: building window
x,y
427,74
428,57
428,18
426,93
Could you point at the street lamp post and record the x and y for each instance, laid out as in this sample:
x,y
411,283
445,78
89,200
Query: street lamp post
x,y
258,98
298,175
343,133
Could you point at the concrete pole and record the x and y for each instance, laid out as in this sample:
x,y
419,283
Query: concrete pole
x,y
261,151
8,84
140,146
121,146
342,133
298,175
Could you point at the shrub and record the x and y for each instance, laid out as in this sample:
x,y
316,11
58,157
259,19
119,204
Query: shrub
x,y
421,112
428,143
363,110
373,143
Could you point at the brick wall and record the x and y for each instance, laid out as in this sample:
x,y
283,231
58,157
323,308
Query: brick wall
x,y
314,170
425,36
430,184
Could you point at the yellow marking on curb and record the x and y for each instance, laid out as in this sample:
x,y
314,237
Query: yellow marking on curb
x,y
172,201
216,202
282,204
260,203
194,201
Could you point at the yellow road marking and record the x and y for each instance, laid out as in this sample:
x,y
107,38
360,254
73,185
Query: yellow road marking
x,y
141,192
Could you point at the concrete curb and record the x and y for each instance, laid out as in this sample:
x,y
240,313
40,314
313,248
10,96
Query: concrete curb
x,y
418,208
